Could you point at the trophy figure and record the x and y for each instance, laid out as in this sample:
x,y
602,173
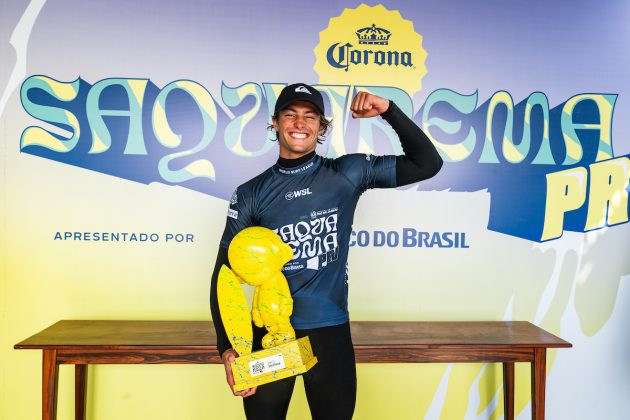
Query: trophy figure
x,y
257,256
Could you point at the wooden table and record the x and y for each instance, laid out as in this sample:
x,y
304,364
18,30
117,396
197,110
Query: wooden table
x,y
131,342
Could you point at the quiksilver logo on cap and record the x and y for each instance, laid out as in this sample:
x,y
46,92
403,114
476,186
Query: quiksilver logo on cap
x,y
303,89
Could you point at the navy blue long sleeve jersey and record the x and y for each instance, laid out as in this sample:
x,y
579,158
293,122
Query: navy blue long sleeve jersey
x,y
311,207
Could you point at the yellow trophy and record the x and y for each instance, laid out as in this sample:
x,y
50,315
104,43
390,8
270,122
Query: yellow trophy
x,y
257,256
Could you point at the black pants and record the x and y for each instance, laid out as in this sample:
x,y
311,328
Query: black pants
x,y
331,385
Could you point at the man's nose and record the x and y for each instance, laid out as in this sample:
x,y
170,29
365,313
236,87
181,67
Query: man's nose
x,y
300,121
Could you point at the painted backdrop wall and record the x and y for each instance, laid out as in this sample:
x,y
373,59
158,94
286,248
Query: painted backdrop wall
x,y
125,127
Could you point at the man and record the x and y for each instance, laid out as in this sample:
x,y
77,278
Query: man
x,y
310,202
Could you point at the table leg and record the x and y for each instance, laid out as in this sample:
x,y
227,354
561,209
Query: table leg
x,y
538,383
50,374
508,390
80,380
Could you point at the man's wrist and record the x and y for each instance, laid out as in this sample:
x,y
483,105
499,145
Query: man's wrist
x,y
388,110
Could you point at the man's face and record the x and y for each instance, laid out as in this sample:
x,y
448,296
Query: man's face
x,y
297,127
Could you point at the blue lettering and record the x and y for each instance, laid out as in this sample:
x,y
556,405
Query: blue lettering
x,y
409,238
379,238
341,56
446,237
363,238
355,57
463,242
423,238
405,59
435,240
379,58
392,58
392,239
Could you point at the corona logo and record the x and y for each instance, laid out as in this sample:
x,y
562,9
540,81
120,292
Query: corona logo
x,y
358,48
341,56
373,35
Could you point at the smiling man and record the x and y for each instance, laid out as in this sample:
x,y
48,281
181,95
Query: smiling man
x,y
309,201
298,127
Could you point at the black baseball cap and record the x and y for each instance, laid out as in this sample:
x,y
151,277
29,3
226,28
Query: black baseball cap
x,y
299,92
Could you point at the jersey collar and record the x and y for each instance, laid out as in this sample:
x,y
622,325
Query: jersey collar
x,y
306,166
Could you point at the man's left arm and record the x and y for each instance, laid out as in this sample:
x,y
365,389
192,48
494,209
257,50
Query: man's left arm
x,y
421,159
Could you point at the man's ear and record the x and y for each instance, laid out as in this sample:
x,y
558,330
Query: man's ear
x,y
274,123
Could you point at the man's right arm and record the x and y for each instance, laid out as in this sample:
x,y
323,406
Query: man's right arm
x,y
223,343
227,353
238,218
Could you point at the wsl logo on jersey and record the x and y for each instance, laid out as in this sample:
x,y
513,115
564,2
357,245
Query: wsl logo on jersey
x,y
296,194
371,46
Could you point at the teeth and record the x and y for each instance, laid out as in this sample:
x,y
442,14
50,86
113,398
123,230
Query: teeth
x,y
298,135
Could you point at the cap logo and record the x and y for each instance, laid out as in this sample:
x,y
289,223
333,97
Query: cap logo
x,y
303,89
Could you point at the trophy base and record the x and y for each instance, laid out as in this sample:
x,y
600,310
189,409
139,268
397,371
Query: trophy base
x,y
269,365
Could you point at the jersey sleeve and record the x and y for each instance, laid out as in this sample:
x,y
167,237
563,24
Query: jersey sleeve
x,y
240,215
223,342
421,159
369,171
238,218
